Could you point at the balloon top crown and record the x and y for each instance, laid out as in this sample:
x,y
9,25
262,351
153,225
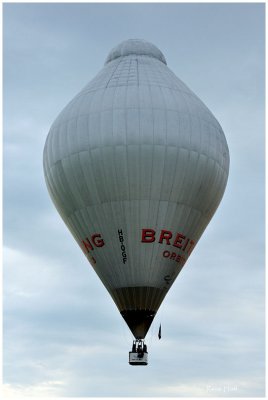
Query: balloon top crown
x,y
137,47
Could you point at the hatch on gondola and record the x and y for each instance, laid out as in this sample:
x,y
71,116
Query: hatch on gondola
x,y
139,354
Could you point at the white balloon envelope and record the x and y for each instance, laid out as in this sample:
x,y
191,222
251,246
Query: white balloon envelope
x,y
136,165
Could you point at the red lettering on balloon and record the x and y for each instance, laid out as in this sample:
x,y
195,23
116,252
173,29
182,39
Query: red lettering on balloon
x,y
97,240
174,256
180,259
165,235
178,240
93,260
88,246
185,244
190,248
148,236
181,241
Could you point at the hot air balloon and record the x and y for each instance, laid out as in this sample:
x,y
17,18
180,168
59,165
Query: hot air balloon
x,y
136,166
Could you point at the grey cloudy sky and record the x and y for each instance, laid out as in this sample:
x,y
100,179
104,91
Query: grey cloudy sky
x,y
63,336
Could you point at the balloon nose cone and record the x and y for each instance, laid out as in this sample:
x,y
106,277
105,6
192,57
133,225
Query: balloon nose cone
x,y
136,47
139,321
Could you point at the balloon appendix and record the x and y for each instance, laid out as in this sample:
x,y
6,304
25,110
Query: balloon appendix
x,y
136,165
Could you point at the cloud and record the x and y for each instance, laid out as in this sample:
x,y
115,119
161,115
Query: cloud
x,y
53,328
44,389
63,335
